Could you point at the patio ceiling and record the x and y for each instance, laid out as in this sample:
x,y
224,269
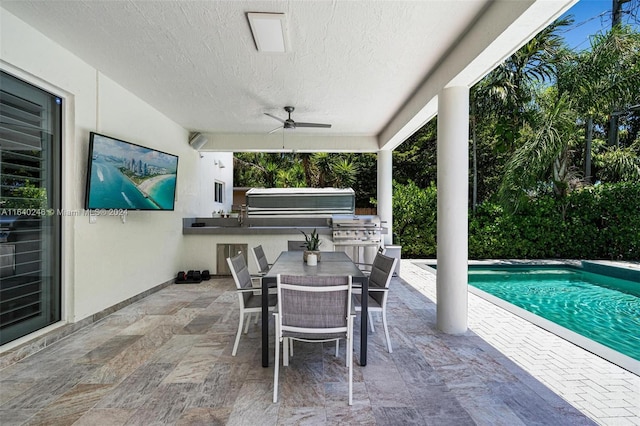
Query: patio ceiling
x,y
372,69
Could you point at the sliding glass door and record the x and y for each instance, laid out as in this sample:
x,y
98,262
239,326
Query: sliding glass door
x,y
30,187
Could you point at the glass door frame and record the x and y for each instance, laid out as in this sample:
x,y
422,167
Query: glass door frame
x,y
53,240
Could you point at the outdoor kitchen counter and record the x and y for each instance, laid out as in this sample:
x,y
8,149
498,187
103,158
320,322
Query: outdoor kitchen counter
x,y
208,246
232,226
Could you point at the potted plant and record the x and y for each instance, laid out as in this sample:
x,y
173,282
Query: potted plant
x,y
312,242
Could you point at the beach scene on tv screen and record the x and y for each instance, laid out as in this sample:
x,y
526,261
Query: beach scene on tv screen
x,y
127,176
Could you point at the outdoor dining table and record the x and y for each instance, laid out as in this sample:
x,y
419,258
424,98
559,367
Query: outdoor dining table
x,y
330,264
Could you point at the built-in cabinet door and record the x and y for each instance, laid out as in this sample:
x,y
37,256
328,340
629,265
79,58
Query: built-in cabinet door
x,y
223,251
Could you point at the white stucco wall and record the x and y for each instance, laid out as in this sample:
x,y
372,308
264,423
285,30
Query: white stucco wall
x,y
201,250
219,167
109,261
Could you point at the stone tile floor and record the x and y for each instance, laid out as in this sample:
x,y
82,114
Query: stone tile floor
x,y
606,393
166,359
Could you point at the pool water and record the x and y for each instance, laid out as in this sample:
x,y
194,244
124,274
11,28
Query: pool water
x,y
601,308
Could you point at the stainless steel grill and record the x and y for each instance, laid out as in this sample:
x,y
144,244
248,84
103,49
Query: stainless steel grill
x,y
361,230
359,236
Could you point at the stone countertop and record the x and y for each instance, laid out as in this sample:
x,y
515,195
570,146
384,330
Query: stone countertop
x,y
232,226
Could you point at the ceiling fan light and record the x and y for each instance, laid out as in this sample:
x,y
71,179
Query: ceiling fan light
x,y
269,31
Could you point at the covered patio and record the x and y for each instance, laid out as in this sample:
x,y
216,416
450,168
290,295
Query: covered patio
x,y
131,348
377,72
166,359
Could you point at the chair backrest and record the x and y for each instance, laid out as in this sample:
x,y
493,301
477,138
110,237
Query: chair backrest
x,y
240,274
380,277
316,305
261,259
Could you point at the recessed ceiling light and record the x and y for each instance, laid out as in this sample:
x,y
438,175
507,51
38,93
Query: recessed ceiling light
x,y
269,31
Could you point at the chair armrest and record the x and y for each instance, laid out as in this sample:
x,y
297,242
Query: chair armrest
x,y
359,288
251,289
366,266
258,289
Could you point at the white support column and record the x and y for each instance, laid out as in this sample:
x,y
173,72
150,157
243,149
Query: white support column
x,y
385,192
453,190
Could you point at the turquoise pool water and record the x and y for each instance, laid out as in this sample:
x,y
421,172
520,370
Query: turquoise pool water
x,y
602,308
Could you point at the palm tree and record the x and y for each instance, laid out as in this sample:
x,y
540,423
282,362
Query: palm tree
x,y
503,98
289,178
345,173
507,91
544,156
322,162
603,78
619,164
307,166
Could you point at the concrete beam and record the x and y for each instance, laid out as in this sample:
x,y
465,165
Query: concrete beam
x,y
291,141
488,42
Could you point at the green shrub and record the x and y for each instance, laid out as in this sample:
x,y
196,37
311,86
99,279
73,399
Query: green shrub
x,y
414,219
597,222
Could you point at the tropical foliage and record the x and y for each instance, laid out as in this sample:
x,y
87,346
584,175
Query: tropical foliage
x,y
594,222
554,149
414,219
317,170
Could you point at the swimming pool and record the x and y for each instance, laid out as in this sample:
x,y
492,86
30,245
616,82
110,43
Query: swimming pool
x,y
602,308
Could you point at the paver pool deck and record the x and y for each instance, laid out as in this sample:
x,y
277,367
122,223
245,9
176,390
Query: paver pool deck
x,y
608,394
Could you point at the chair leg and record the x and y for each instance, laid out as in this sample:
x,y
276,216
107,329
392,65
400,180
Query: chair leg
x,y
276,370
386,330
346,358
246,326
235,345
371,323
285,351
337,347
257,318
350,362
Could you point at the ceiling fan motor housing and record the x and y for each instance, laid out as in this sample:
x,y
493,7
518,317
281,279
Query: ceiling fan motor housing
x,y
289,123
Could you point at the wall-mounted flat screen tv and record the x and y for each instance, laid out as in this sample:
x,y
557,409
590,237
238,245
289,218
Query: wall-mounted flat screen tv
x,y
123,175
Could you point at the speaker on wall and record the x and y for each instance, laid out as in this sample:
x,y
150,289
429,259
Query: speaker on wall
x,y
197,141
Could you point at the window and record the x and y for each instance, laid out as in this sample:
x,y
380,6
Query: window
x,y
30,175
218,192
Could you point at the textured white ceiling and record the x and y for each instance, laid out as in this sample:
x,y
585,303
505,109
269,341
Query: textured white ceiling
x,y
353,64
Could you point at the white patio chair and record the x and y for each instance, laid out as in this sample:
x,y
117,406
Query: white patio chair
x,y
313,309
366,267
249,296
379,280
261,260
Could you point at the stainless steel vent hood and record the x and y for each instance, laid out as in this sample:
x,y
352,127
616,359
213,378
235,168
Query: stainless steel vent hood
x,y
300,202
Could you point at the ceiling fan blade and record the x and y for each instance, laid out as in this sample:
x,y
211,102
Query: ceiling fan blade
x,y
275,130
273,116
324,126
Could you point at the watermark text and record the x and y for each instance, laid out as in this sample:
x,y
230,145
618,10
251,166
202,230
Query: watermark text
x,y
63,212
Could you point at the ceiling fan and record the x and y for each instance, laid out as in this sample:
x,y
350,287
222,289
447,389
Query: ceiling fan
x,y
290,124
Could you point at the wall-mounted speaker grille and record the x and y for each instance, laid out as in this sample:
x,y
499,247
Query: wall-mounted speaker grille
x,y
197,141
